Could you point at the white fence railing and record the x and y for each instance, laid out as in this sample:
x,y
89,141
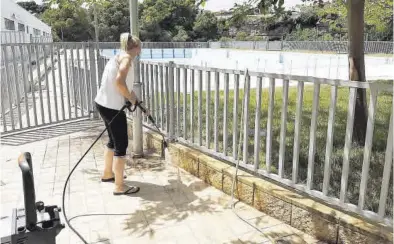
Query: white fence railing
x,y
280,120
46,83
14,37
296,130
9,37
320,46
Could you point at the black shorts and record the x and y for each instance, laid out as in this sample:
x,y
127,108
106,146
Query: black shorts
x,y
117,130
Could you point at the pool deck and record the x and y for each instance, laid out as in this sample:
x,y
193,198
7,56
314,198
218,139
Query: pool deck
x,y
164,211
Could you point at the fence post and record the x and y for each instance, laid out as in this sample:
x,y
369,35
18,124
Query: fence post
x,y
172,99
137,115
93,77
281,43
266,46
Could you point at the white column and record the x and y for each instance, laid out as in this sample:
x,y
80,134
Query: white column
x,y
137,115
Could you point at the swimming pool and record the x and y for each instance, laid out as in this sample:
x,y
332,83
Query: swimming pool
x,y
165,53
334,66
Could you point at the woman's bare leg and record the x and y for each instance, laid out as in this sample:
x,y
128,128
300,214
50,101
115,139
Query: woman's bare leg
x,y
119,164
108,162
120,187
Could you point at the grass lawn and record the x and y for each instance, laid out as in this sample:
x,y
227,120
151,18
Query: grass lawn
x,y
384,106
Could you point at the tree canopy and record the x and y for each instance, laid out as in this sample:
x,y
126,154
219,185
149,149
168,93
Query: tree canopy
x,y
69,21
184,20
33,7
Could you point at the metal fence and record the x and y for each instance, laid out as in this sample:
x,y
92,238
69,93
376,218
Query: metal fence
x,y
279,122
14,37
283,127
46,83
175,45
8,37
321,46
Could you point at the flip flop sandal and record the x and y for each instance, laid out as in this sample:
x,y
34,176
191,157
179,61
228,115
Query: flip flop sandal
x,y
131,190
111,179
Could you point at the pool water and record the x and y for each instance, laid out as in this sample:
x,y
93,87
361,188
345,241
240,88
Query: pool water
x,y
165,53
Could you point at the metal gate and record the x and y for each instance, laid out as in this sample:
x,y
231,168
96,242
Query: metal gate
x,y
46,83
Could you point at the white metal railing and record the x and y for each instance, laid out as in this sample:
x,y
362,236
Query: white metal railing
x,y
46,83
328,46
286,133
290,133
9,37
14,37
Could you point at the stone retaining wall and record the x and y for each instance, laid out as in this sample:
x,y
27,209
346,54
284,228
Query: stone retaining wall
x,y
294,208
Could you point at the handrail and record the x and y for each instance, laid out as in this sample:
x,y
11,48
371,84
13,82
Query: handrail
x,y
25,164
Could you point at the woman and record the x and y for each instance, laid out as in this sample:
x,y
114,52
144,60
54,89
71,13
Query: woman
x,y
115,90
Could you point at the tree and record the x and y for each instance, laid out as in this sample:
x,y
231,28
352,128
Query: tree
x,y
240,13
33,7
378,18
69,21
206,26
355,24
361,15
181,36
241,36
113,18
355,13
308,16
160,19
302,34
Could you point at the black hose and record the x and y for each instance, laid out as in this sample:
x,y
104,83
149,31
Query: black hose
x,y
128,106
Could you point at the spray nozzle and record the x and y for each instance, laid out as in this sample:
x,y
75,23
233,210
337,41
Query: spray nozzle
x,y
145,111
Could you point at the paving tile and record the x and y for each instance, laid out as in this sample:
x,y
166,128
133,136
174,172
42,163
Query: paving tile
x,y
171,234
253,237
292,239
168,208
132,239
246,211
162,218
99,230
211,229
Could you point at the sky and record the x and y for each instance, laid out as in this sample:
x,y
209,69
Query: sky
x,y
217,5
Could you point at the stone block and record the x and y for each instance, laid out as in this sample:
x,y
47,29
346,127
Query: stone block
x,y
272,206
148,141
246,192
188,162
243,191
174,152
157,144
350,236
210,175
227,185
314,224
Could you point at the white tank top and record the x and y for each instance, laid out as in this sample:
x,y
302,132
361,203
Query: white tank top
x,y
108,96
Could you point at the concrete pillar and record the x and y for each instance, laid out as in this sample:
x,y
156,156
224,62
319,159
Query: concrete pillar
x,y
137,115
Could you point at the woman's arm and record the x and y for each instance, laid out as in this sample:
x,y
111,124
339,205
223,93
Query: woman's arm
x,y
124,66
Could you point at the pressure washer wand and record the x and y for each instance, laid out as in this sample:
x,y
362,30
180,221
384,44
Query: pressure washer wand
x,y
145,111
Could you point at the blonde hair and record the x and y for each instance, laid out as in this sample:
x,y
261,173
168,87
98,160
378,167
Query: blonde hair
x,y
128,41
